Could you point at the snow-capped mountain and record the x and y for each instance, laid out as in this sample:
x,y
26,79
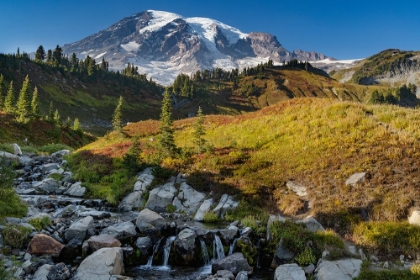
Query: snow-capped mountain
x,y
163,44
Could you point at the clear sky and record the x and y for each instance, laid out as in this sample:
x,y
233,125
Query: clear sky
x,y
344,29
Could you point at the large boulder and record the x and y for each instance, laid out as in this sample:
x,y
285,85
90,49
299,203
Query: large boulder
x,y
282,254
101,265
290,271
186,249
145,245
50,167
234,263
48,185
144,180
121,231
311,224
42,272
188,199
78,229
7,155
43,244
345,269
131,201
97,242
204,208
226,203
229,234
150,222
17,150
76,190
161,197
414,218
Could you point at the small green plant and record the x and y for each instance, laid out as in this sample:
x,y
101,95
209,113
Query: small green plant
x,y
170,208
40,223
15,235
255,222
306,257
52,148
415,269
210,217
56,176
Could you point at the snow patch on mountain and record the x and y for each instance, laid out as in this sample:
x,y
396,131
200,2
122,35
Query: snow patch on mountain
x,y
160,19
130,47
100,55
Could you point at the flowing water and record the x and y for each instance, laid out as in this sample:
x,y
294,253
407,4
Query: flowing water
x,y
167,250
218,251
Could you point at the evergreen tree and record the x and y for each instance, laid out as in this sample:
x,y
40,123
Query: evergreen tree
x,y
117,117
199,131
68,122
10,100
57,55
51,112
40,54
35,104
49,56
76,125
23,105
166,142
57,118
2,93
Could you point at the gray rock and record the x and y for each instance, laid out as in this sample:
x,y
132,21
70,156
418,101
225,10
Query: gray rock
x,y
144,180
229,233
161,197
290,271
185,247
204,208
97,242
60,153
25,160
150,222
17,150
242,275
145,245
76,190
131,201
311,224
42,272
282,254
49,167
234,263
78,229
271,220
309,269
226,203
7,155
296,188
48,185
188,199
101,264
28,267
345,269
59,272
356,178
226,274
95,214
414,218
121,231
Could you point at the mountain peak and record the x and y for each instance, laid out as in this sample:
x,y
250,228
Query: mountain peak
x,y
164,44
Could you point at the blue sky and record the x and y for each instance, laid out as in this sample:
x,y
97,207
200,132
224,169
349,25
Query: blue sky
x,y
342,29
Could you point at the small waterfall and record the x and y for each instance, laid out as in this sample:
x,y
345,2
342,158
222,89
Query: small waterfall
x,y
218,248
167,250
232,246
155,249
258,255
204,252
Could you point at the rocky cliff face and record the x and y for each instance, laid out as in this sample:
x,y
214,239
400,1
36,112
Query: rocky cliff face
x,y
164,44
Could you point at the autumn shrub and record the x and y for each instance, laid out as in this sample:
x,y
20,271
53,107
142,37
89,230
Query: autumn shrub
x,y
15,235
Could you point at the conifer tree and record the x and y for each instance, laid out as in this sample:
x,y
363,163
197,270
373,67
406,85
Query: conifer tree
x,y
23,105
117,117
35,104
51,112
2,93
57,118
199,131
76,125
49,56
167,143
40,54
10,100
67,123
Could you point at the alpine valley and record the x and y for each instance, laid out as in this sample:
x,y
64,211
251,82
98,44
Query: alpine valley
x,y
166,147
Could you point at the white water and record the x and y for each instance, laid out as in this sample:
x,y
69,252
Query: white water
x,y
155,249
167,250
204,252
232,246
218,251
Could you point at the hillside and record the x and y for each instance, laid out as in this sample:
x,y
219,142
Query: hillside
x,y
318,143
390,67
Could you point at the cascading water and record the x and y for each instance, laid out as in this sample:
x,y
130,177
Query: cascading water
x,y
204,252
232,246
167,250
155,249
218,251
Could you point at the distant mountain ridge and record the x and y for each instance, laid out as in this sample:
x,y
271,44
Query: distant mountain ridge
x,y
164,44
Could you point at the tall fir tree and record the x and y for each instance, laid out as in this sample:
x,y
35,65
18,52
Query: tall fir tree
x,y
50,116
57,118
117,123
199,131
9,102
23,104
2,92
49,56
36,113
76,125
40,54
166,141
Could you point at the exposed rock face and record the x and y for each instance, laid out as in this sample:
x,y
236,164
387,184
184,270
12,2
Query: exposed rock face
x,y
161,197
121,230
282,254
145,245
183,44
188,199
311,224
234,263
226,203
44,244
101,264
185,248
131,201
289,272
297,188
76,190
97,242
42,272
150,222
78,229
204,207
345,269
